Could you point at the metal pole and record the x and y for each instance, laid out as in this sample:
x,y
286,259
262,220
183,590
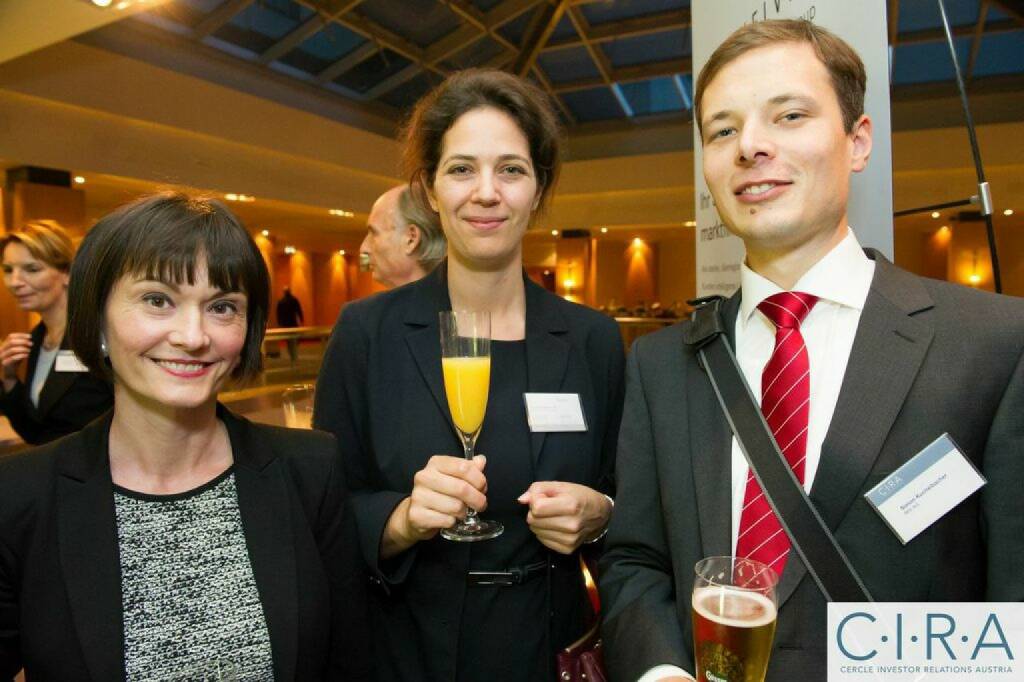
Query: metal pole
x,y
984,194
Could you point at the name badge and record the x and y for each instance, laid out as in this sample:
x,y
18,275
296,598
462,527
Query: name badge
x,y
67,361
549,412
924,489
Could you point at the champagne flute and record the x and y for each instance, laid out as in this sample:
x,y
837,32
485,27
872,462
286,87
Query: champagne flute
x,y
297,404
734,610
466,363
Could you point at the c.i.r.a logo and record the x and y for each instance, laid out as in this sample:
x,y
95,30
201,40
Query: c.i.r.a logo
x,y
935,641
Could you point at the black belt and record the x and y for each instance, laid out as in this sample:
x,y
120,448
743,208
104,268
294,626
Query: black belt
x,y
516,575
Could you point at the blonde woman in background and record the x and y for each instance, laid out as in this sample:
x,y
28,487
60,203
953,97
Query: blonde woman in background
x,y
57,395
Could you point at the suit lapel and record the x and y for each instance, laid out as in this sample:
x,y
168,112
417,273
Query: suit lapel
x,y
423,337
547,351
888,350
87,539
711,450
265,509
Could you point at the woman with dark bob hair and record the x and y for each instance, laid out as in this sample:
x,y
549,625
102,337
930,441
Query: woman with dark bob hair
x,y
483,152
171,539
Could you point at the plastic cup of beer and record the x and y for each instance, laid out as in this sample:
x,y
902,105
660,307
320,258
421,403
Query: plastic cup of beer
x,y
734,610
297,403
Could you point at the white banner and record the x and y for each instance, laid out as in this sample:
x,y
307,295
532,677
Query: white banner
x,y
861,24
935,641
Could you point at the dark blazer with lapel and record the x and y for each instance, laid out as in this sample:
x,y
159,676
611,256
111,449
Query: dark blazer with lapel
x,y
928,357
68,401
381,391
60,581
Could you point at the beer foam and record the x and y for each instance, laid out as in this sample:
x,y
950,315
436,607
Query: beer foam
x,y
743,608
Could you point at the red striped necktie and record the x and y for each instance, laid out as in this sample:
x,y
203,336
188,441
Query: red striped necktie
x,y
785,403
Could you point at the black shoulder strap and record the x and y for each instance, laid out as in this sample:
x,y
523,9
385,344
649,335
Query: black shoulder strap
x,y
810,537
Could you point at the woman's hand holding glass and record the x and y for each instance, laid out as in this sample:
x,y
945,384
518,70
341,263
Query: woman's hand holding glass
x,y
442,491
564,516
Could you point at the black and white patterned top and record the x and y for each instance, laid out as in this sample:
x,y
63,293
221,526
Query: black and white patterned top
x,y
191,608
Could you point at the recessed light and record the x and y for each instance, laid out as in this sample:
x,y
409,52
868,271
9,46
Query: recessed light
x,y
243,198
935,214
79,180
1008,211
341,213
691,223
554,233
341,252
637,241
604,230
289,250
265,233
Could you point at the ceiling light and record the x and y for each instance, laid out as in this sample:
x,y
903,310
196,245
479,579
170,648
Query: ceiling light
x,y
289,250
935,214
1008,211
243,198
604,230
691,223
265,233
341,213
79,180
341,252
554,233
637,241
122,5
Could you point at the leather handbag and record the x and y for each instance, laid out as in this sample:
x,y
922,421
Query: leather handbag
x,y
582,661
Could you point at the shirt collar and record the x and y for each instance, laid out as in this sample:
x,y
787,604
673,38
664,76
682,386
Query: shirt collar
x,y
850,289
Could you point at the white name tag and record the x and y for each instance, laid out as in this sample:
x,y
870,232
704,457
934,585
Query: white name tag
x,y
548,412
67,361
924,489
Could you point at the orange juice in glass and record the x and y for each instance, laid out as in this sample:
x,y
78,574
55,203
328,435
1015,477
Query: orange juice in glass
x,y
466,364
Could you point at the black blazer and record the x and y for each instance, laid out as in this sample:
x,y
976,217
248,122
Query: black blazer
x,y
381,391
60,581
928,357
68,401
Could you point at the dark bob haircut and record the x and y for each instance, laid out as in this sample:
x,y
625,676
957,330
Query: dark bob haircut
x,y
166,237
472,89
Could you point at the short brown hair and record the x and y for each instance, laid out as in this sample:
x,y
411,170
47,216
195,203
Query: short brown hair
x,y
46,240
164,237
849,79
471,89
413,210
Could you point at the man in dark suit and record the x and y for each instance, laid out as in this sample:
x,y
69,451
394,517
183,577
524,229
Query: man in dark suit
x,y
858,366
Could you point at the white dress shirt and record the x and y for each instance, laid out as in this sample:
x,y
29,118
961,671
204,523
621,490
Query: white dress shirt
x,y
840,280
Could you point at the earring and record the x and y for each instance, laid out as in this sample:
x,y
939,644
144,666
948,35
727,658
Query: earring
x,y
103,345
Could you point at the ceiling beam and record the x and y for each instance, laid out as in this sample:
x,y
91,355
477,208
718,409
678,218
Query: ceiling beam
x,y
1014,8
582,27
349,61
372,31
393,81
608,31
218,17
935,35
562,106
544,24
894,21
305,30
979,29
630,74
